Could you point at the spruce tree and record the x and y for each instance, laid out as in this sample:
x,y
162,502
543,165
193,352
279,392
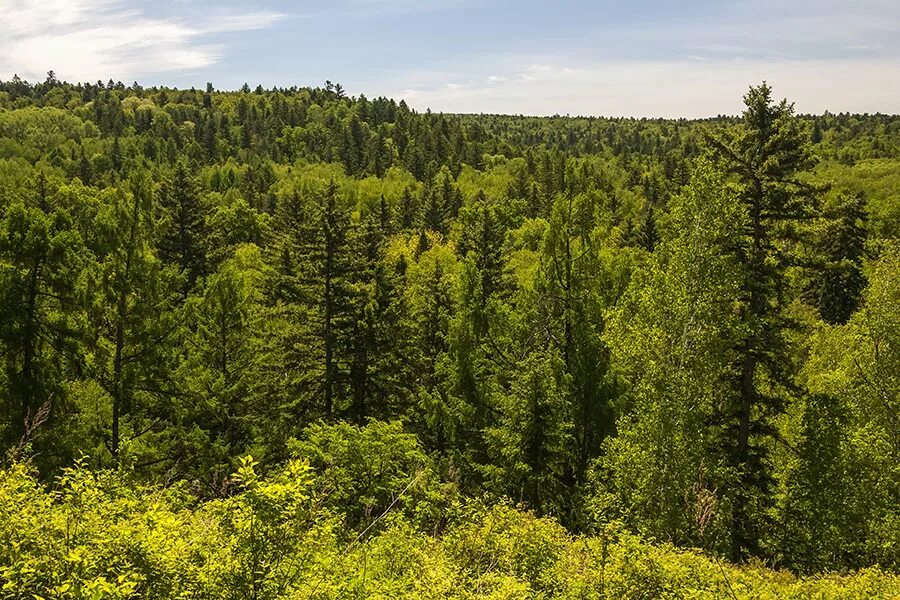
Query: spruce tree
x,y
184,229
223,323
766,155
836,288
314,293
570,288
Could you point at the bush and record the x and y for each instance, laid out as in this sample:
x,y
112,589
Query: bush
x,y
364,471
96,535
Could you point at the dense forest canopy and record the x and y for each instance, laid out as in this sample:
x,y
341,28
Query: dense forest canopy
x,y
293,322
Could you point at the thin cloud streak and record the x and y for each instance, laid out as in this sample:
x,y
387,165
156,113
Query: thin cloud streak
x,y
382,8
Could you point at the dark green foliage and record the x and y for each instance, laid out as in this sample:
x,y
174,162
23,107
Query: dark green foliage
x,y
130,299
183,230
766,154
41,254
836,289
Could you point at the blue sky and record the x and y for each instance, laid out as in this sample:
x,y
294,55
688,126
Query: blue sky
x,y
639,58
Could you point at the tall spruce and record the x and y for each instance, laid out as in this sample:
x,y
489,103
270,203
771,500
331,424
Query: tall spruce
x,y
767,155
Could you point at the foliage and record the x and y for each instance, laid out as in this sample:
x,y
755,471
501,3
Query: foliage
x,y
94,535
684,331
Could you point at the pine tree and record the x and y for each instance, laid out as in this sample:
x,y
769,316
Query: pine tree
x,y
116,154
529,446
430,302
442,202
817,132
334,267
482,240
362,340
649,236
84,168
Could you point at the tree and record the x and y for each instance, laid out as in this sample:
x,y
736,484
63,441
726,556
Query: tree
x,y
313,290
131,296
529,446
817,508
766,154
409,210
430,302
183,225
673,338
482,240
41,254
836,288
648,234
223,323
838,502
571,295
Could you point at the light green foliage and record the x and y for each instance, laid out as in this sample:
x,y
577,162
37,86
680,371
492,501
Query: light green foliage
x,y
855,367
34,133
95,536
371,470
672,336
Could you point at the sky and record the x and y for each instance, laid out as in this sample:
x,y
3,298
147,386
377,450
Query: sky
x,y
643,58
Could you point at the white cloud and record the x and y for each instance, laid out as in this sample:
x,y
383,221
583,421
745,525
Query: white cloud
x,y
86,40
678,88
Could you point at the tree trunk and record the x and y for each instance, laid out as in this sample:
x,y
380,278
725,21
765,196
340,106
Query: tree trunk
x,y
755,311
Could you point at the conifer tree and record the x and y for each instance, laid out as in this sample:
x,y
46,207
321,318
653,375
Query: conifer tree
x,y
570,290
314,291
529,446
184,228
766,155
482,240
837,287
409,210
131,295
221,347
41,254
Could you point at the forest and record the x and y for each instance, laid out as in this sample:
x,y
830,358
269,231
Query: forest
x,y
293,343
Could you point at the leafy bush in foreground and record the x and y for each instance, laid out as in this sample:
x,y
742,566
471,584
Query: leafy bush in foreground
x,y
96,535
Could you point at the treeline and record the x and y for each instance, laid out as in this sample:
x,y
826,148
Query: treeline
x,y
686,327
